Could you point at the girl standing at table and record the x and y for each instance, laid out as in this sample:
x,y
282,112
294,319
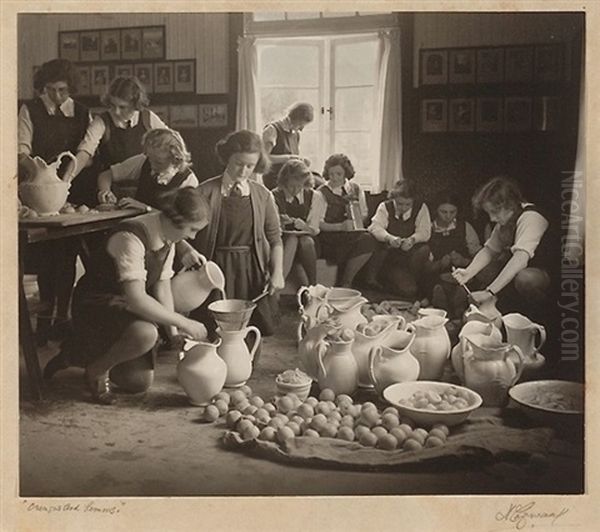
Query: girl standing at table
x,y
48,125
126,293
115,135
244,235
338,240
296,213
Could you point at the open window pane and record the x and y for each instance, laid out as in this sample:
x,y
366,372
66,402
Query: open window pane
x,y
353,109
289,65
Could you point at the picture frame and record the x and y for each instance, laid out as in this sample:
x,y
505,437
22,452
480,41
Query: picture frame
x,y
162,111
84,87
461,68
490,65
153,42
99,79
548,63
434,115
110,45
185,76
461,114
489,117
518,64
183,116
163,77
68,45
131,43
546,113
212,115
434,67
145,74
517,113
89,46
123,71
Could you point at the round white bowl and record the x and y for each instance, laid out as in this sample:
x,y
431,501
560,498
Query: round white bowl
x,y
522,394
404,390
301,390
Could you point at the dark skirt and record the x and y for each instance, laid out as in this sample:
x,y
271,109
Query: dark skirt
x,y
341,246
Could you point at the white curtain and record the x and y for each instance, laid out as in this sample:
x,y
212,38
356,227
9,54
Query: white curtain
x,y
387,131
248,102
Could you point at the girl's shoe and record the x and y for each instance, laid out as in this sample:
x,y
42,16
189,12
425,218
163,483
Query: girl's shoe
x,y
101,389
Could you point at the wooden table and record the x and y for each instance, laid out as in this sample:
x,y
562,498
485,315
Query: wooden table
x,y
55,228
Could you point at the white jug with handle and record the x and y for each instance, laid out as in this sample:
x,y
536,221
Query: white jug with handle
x,y
521,331
236,354
431,346
191,288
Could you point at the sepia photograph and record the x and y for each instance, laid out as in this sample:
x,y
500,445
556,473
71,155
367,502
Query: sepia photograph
x,y
299,258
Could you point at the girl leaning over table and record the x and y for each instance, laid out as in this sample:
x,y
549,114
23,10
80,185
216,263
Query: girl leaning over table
x,y
126,294
48,125
244,235
339,242
295,199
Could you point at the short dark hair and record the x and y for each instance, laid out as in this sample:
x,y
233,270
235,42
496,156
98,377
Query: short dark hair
x,y
56,70
301,111
445,197
129,89
184,206
404,188
243,141
338,159
500,191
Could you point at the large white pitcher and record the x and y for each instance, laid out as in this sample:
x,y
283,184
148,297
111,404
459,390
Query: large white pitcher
x,y
431,346
521,331
236,355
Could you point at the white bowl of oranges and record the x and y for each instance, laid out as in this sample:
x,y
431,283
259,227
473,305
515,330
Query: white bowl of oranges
x,y
430,402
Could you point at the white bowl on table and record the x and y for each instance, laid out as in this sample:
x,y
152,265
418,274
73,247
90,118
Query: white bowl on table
x,y
395,393
301,389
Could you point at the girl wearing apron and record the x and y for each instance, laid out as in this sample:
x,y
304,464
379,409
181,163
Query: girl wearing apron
x,y
126,294
295,200
47,126
402,226
338,241
244,235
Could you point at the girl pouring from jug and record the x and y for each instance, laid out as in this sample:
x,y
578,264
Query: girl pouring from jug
x,y
519,229
126,293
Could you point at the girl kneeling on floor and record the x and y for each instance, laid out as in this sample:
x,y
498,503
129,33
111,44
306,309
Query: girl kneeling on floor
x,y
244,235
294,200
126,294
402,225
339,242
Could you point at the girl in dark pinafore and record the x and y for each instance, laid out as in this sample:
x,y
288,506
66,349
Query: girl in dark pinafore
x,y
244,235
126,293
338,241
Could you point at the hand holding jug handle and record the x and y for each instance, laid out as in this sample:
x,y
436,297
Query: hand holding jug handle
x,y
321,350
373,354
73,159
258,336
542,330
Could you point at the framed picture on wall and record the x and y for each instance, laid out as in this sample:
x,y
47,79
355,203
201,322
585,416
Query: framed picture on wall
x,y
434,67
99,79
518,64
517,113
489,114
89,45
123,71
461,114
490,65
153,42
110,45
434,115
84,86
185,76
131,43
462,66
68,45
145,73
546,113
212,115
163,77
162,111
548,62
183,116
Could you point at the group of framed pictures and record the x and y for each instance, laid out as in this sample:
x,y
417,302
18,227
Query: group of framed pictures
x,y
490,114
506,64
114,44
158,77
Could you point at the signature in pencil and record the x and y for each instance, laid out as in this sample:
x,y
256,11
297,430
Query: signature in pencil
x,y
521,516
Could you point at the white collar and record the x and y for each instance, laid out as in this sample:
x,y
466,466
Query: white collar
x,y
123,123
228,183
347,187
67,107
289,198
438,229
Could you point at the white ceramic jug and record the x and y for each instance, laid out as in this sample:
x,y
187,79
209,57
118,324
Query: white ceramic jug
x,y
338,370
521,331
236,354
431,346
191,288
